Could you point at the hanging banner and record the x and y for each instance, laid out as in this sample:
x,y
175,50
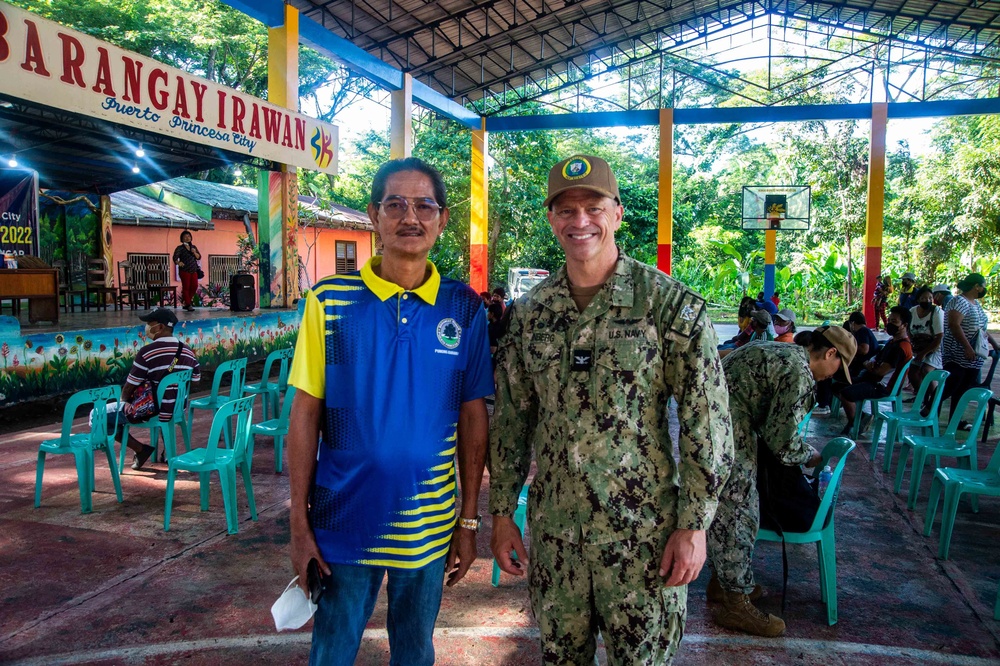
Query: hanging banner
x,y
18,212
44,62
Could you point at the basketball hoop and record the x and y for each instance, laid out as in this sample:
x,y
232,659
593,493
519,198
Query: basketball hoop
x,y
776,207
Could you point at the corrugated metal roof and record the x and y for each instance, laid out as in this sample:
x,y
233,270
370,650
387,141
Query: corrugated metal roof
x,y
244,199
216,195
130,207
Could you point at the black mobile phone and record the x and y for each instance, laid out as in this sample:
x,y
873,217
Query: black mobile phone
x,y
314,578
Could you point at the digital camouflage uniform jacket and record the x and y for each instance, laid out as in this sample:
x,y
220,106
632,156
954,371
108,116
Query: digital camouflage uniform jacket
x,y
606,469
771,389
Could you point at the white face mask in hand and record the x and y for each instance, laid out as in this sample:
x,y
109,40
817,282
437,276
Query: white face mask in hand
x,y
293,608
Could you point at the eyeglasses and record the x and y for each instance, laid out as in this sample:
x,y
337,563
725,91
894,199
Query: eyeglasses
x,y
395,208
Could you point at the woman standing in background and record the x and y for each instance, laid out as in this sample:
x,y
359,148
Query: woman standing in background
x,y
186,257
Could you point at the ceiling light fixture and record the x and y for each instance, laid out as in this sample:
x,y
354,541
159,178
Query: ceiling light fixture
x,y
12,163
135,168
140,153
239,172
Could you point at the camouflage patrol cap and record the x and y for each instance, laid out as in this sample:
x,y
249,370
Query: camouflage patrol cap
x,y
843,341
586,171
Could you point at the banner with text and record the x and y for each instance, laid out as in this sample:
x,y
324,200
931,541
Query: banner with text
x,y
18,212
44,62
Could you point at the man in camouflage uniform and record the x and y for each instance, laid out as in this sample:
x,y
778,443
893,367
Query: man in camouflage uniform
x,y
772,387
583,376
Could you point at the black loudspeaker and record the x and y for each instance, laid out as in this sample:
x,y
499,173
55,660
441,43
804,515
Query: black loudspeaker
x,y
242,292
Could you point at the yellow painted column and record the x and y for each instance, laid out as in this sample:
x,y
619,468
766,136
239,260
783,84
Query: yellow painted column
x,y
278,237
401,120
665,205
876,203
479,259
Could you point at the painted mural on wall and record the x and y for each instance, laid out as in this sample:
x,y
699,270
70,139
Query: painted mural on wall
x,y
70,230
34,366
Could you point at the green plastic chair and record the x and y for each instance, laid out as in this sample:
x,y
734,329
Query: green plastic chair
x,y
225,461
910,418
520,516
895,398
237,368
268,389
277,428
945,445
821,532
953,482
83,444
182,380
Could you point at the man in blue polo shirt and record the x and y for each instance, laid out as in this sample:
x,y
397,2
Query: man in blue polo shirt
x,y
391,366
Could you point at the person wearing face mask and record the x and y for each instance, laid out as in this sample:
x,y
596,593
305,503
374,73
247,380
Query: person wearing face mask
x,y
942,296
907,292
878,374
966,320
162,355
926,334
784,326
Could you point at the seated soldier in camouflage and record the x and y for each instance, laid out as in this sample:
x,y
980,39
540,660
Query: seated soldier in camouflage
x,y
772,387
584,373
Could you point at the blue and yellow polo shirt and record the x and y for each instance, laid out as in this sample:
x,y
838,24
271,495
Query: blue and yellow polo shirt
x,y
393,367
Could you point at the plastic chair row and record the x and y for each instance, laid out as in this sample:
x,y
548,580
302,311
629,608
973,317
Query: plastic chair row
x,y
894,399
236,454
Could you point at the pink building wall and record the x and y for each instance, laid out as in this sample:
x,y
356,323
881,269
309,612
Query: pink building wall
x,y
322,260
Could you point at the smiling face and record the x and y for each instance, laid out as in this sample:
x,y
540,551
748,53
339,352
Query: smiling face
x,y
407,237
585,223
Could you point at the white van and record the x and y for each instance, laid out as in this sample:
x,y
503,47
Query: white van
x,y
521,280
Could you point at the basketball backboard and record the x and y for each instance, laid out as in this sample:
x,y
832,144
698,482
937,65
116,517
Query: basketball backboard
x,y
780,207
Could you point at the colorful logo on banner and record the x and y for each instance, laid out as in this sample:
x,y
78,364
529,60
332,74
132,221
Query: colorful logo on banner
x,y
322,147
18,212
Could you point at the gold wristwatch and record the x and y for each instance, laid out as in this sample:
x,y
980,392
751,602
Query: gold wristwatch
x,y
471,523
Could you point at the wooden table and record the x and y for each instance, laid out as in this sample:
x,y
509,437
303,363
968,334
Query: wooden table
x,y
39,285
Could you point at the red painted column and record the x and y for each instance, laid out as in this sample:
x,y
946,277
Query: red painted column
x,y
665,205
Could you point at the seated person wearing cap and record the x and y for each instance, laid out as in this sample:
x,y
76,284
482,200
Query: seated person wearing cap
x,y
784,326
759,329
877,375
908,292
162,355
942,296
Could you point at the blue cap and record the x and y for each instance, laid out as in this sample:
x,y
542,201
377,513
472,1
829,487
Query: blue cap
x,y
770,307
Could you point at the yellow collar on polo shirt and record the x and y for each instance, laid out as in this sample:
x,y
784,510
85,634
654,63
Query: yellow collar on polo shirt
x,y
385,290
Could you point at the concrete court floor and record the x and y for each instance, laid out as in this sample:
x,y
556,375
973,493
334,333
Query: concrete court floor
x,y
112,587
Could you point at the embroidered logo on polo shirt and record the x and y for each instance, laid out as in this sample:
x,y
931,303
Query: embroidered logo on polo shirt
x,y
449,333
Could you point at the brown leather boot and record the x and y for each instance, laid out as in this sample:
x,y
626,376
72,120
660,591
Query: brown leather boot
x,y
739,614
714,591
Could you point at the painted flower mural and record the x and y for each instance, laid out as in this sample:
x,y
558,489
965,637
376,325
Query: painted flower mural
x,y
61,363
